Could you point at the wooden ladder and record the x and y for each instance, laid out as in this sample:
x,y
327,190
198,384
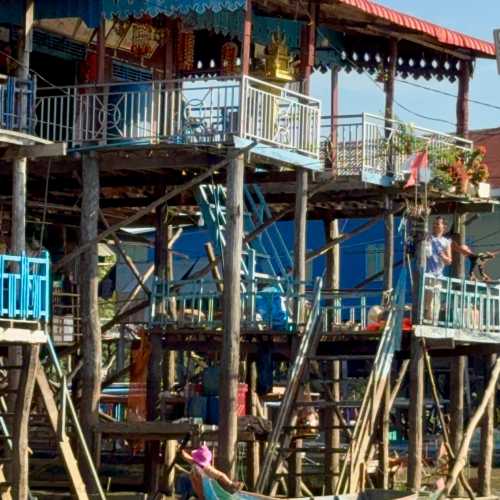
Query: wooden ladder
x,y
357,454
281,437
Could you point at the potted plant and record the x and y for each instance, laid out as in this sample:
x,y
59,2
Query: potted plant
x,y
476,168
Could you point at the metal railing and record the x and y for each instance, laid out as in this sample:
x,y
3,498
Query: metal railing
x,y
461,304
179,112
369,146
17,104
266,304
25,287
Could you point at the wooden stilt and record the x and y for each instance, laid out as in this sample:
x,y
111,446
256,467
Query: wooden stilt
x,y
228,425
17,380
24,396
247,39
458,364
299,254
156,358
461,456
169,360
91,330
487,439
253,447
331,419
388,286
416,408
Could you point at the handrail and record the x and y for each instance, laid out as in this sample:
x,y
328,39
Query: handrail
x,y
68,403
460,303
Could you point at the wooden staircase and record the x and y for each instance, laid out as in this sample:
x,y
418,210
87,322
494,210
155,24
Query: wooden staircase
x,y
287,439
52,411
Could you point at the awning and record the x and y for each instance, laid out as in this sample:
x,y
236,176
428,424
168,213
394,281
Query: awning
x,y
442,35
11,11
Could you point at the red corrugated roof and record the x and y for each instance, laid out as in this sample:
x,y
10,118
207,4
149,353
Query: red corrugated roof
x,y
443,35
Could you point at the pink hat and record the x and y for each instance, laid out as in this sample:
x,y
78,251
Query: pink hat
x,y
202,456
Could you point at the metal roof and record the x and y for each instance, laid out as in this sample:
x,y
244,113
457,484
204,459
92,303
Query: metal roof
x,y
442,35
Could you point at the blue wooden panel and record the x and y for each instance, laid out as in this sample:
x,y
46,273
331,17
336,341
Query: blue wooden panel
x,y
25,287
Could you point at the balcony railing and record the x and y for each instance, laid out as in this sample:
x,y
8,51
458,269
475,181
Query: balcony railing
x,y
25,287
460,304
266,304
376,149
179,112
17,105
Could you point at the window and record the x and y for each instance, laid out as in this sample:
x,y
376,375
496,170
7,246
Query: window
x,y
374,260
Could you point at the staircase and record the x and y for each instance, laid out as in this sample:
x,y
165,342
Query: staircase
x,y
25,308
357,455
52,411
267,252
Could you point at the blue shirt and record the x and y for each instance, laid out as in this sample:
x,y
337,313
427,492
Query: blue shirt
x,y
435,247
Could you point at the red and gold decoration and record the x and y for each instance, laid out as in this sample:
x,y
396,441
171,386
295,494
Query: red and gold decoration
x,y
185,51
143,38
229,56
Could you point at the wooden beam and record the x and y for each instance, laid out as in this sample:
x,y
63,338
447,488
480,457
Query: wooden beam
x,y
228,387
152,206
458,365
20,467
461,456
247,39
70,462
463,99
212,260
34,151
487,443
416,409
128,261
390,84
331,418
90,341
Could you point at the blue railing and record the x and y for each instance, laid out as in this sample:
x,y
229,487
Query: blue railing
x,y
17,98
25,287
461,304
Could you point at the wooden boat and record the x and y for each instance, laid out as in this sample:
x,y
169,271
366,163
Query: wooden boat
x,y
212,490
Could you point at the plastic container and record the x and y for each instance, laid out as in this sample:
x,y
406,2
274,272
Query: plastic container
x,y
197,407
211,378
213,405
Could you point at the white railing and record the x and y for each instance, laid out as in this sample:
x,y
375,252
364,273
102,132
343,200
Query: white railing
x,y
181,112
457,303
368,144
280,117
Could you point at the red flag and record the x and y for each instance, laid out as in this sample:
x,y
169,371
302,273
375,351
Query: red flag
x,y
418,162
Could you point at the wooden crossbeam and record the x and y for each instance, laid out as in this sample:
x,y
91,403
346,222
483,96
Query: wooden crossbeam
x,y
34,151
152,206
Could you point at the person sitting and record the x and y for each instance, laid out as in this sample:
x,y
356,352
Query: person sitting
x,y
200,461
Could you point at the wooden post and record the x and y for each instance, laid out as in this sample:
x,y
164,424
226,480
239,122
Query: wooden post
x,y
416,408
19,177
155,364
247,39
390,83
253,447
388,286
463,99
228,424
89,306
101,51
169,359
300,238
487,438
331,420
20,466
457,364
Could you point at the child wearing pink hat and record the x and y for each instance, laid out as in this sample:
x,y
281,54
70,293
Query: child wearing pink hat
x,y
200,460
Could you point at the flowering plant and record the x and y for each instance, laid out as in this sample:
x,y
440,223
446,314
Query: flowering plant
x,y
474,165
